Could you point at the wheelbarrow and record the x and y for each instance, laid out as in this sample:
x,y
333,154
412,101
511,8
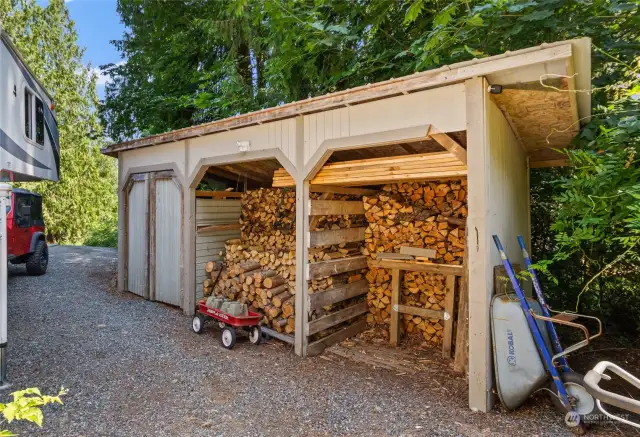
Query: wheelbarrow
x,y
528,355
229,324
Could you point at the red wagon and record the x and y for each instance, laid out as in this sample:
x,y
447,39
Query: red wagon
x,y
230,324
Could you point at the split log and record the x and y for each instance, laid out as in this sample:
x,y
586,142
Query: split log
x,y
273,281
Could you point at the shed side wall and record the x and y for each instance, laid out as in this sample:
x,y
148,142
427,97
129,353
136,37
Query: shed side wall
x,y
210,244
498,204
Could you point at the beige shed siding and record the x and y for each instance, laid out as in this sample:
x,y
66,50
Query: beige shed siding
x,y
444,108
275,135
498,204
168,236
137,260
210,244
157,155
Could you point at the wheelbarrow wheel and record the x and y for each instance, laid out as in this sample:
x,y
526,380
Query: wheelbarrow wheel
x,y
197,324
228,337
582,402
255,335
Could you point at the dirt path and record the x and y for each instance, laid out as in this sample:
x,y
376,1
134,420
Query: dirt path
x,y
134,368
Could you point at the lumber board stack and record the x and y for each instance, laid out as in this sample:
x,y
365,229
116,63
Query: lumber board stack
x,y
375,171
427,215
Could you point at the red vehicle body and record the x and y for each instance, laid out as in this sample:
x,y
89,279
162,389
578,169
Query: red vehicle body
x,y
25,232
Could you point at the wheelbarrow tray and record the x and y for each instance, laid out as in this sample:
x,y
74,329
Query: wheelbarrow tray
x,y
253,319
519,368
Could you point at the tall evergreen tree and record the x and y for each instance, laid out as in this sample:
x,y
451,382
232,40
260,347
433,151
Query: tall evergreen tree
x,y
85,196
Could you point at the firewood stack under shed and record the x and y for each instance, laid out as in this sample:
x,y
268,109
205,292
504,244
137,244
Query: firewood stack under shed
x,y
423,215
259,268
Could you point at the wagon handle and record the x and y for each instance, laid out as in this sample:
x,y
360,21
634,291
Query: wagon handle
x,y
585,331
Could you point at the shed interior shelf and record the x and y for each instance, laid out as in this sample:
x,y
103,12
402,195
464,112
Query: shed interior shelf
x,y
375,171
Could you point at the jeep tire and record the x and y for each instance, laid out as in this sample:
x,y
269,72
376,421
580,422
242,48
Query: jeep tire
x,y
39,260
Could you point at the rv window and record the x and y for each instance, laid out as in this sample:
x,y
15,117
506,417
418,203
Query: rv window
x,y
28,114
39,122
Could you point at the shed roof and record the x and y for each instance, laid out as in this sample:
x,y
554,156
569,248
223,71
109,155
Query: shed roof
x,y
534,110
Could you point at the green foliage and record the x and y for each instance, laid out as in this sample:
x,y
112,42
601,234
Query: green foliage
x,y
198,61
104,234
26,405
86,192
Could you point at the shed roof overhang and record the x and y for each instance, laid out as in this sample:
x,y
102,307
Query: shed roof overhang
x,y
539,98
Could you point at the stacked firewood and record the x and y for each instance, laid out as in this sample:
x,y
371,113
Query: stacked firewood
x,y
427,215
268,218
282,261
264,290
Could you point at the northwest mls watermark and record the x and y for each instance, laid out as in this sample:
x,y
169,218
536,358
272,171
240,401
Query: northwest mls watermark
x,y
573,419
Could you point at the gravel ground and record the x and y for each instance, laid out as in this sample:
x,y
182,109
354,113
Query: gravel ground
x,y
134,368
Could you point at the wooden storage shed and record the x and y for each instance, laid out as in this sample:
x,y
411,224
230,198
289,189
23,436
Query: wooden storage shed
x,y
442,124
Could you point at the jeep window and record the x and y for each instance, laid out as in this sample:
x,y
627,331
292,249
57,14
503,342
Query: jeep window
x,y
28,114
39,122
36,211
20,219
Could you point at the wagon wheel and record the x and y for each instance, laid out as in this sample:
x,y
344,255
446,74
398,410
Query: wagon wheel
x,y
197,324
255,335
228,337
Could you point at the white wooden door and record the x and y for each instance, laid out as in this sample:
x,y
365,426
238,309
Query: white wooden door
x,y
137,241
167,279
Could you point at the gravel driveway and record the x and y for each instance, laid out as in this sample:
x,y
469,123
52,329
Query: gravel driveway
x,y
134,368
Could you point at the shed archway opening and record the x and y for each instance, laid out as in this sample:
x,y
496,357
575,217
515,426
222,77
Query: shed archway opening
x,y
245,241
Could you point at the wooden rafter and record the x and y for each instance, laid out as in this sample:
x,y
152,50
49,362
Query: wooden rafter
x,y
449,144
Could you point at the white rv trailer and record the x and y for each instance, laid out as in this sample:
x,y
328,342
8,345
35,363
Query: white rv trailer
x,y
29,146
29,151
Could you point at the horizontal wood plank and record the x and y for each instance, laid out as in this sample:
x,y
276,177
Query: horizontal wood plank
x,y
317,347
426,313
443,269
219,194
418,251
278,335
323,269
319,299
335,236
333,319
400,256
342,190
335,207
221,227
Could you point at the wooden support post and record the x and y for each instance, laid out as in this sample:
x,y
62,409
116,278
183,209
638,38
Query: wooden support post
x,y
122,224
394,334
302,254
449,300
189,250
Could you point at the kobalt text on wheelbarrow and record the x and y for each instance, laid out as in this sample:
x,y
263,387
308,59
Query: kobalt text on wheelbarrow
x,y
229,323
